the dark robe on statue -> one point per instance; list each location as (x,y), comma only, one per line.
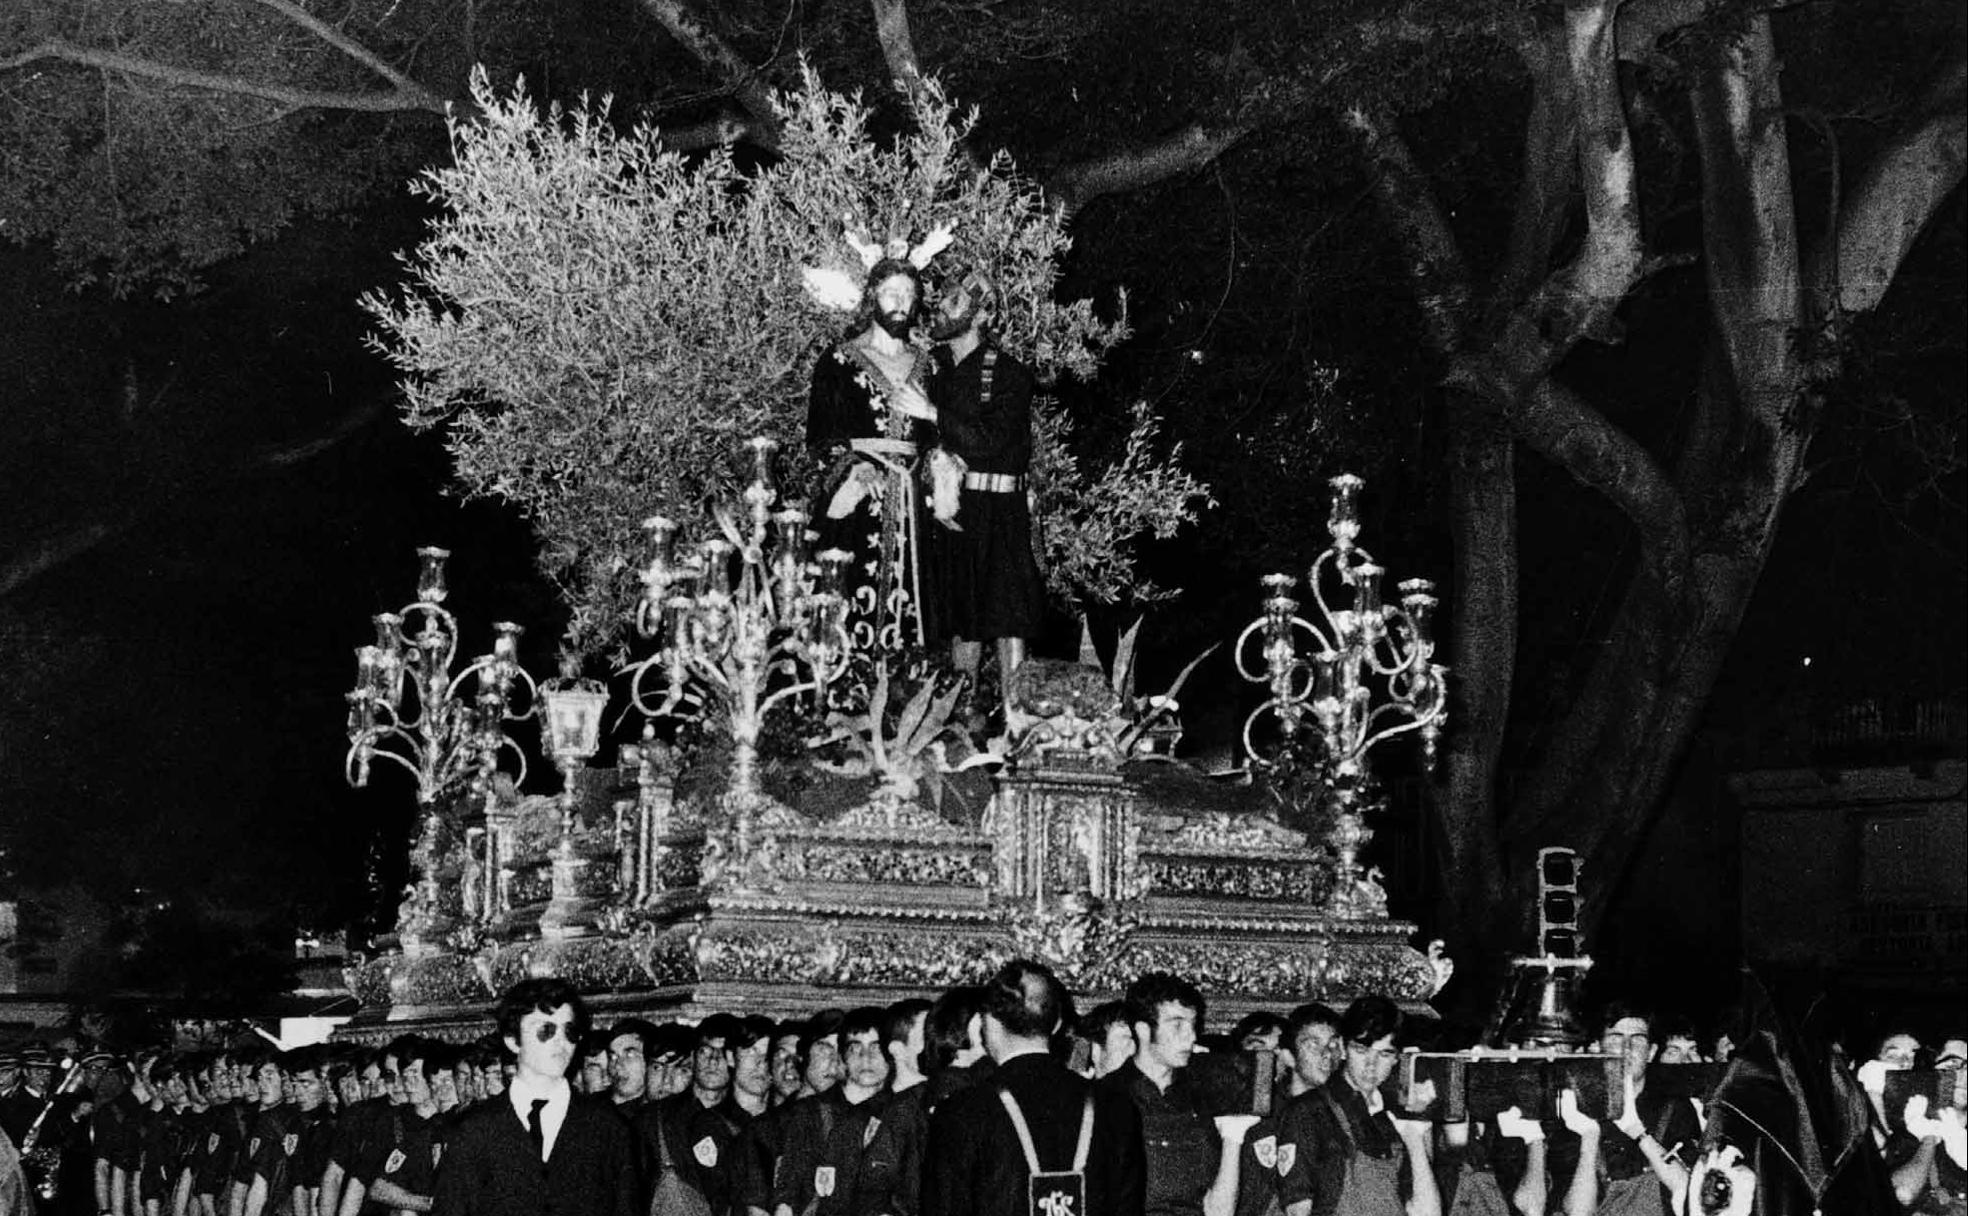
(851,425)
(986,579)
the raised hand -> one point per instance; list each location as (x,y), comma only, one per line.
(1512,1123)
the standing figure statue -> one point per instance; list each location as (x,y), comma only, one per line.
(868,421)
(986,578)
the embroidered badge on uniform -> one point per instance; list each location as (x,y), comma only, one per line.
(212,1143)
(706,1152)
(395,1162)
(437,1154)
(868,1136)
(1287,1154)
(288,1143)
(823,1180)
(1266,1149)
(253,1147)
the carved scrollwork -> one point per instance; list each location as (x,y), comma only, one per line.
(1228,833)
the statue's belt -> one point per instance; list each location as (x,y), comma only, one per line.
(995,483)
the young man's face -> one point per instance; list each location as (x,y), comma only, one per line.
(1115,1048)
(823,1065)
(1680,1049)
(710,1066)
(348,1087)
(865,1059)
(1314,1053)
(10,1076)
(594,1073)
(270,1083)
(393,1088)
(373,1083)
(492,1080)
(628,1067)
(444,1088)
(308,1090)
(1265,1039)
(1632,1038)
(1368,1065)
(786,1065)
(1899,1050)
(752,1072)
(668,1074)
(416,1084)
(1172,1038)
(544,1045)
(907,1052)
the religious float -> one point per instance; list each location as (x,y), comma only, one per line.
(712,880)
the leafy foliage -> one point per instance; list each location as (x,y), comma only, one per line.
(602,324)
(139,183)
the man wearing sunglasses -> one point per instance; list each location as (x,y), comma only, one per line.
(541,1149)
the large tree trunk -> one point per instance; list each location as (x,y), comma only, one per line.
(1477,911)
(1610,764)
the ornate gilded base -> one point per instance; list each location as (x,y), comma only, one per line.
(1075,863)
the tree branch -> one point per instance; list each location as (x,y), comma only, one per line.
(399,101)
(1643,23)
(1559,426)
(1547,177)
(1898,194)
(744,82)
(1609,264)
(1581,298)
(1749,228)
(22,568)
(1184,151)
(347,46)
(53,551)
(898,47)
(1435,262)
(729,127)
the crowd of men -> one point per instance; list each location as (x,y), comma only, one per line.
(993,1099)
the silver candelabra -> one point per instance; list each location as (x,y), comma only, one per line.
(1358,645)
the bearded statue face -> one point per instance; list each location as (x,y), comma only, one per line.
(897,304)
(956,313)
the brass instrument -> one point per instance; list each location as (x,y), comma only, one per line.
(41,1164)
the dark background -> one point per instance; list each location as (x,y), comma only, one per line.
(172,737)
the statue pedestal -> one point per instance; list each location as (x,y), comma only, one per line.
(1103,871)
(571,912)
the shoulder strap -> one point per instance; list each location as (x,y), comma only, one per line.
(1085,1145)
(1661,1123)
(663,1160)
(1024,1132)
(1339,1116)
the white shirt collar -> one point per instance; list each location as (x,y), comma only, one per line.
(523,1092)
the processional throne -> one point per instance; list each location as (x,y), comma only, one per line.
(659,891)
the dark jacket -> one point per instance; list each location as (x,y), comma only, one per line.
(975,1167)
(490,1167)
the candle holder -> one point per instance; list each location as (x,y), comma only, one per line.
(408,707)
(1325,701)
(744,625)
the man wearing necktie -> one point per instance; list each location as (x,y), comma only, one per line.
(542,1149)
